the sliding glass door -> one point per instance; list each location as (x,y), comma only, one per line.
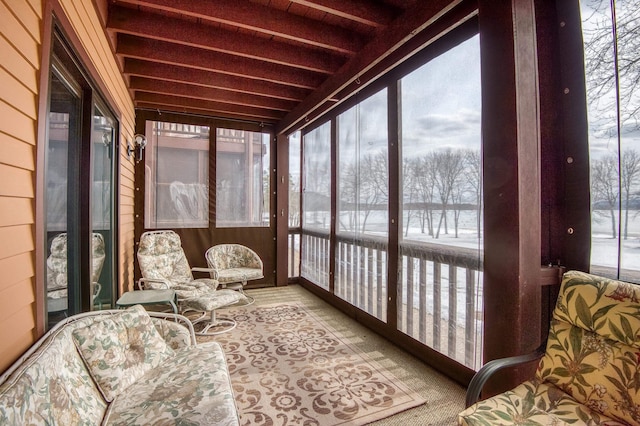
(80,196)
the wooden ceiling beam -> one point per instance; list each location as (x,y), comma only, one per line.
(263,19)
(179,74)
(179,104)
(413,21)
(169,109)
(158,27)
(171,53)
(362,11)
(206,93)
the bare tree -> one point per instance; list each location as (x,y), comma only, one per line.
(630,163)
(409,190)
(457,199)
(473,177)
(317,184)
(449,166)
(347,195)
(466,188)
(364,188)
(294,202)
(424,175)
(604,187)
(605,72)
(374,186)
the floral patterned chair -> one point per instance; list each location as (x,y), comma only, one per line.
(590,371)
(233,265)
(164,265)
(57,271)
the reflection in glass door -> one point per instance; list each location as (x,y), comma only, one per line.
(64,130)
(102,138)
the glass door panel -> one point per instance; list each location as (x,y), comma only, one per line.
(316,205)
(102,236)
(64,112)
(363,197)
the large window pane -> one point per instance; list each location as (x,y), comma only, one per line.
(316,205)
(295,191)
(177,171)
(242,178)
(440,291)
(612,48)
(363,195)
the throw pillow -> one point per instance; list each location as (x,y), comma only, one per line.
(120,349)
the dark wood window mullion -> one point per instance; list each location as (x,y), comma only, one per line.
(393,120)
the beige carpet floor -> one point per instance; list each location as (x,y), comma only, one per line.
(443,397)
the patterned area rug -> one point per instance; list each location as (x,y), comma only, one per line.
(288,367)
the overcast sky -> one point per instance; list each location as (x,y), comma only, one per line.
(440,106)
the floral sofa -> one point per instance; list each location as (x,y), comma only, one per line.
(119,367)
(590,371)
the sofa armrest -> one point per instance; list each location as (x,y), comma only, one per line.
(175,329)
(489,369)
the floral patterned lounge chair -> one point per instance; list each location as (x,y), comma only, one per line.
(590,372)
(233,265)
(57,281)
(164,265)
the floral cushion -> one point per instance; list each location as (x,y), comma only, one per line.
(52,387)
(238,274)
(215,300)
(119,349)
(227,256)
(174,334)
(192,388)
(160,256)
(605,306)
(593,347)
(532,403)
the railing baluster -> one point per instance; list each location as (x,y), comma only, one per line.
(380,296)
(400,291)
(339,287)
(453,310)
(410,307)
(326,260)
(437,304)
(369,308)
(422,326)
(470,312)
(362,258)
(350,280)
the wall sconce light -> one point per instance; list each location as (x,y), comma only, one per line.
(139,142)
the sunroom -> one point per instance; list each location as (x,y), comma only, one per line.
(429,168)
